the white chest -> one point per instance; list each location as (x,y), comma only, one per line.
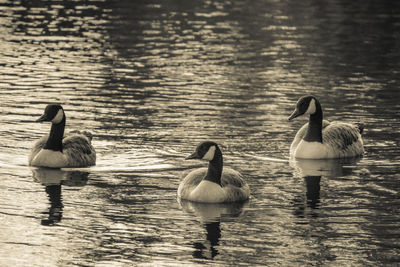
(312,150)
(50,158)
(208,192)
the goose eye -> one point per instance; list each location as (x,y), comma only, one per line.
(203,150)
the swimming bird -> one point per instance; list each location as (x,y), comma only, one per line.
(320,139)
(58,151)
(213,184)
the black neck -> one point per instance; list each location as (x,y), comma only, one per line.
(314,131)
(54,142)
(214,171)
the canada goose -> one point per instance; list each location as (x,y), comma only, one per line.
(320,139)
(212,185)
(58,151)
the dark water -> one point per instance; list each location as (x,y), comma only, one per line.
(151,79)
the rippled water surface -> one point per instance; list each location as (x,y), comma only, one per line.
(150,79)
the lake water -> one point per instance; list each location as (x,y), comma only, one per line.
(151,79)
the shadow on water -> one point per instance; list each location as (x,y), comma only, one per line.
(53,179)
(312,171)
(211,214)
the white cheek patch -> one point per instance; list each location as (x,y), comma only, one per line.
(210,153)
(311,107)
(58,118)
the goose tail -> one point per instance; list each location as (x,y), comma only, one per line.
(360,127)
(88,135)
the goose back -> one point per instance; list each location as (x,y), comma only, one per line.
(77,149)
(339,140)
(233,186)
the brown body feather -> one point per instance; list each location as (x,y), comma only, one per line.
(343,138)
(231,181)
(77,148)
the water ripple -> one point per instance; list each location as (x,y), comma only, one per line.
(152,79)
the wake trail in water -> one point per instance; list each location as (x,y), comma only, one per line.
(108,168)
(265,158)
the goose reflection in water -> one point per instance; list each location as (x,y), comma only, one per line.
(213,235)
(312,171)
(53,179)
(211,214)
(56,206)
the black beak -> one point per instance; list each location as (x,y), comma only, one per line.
(193,156)
(42,118)
(295,114)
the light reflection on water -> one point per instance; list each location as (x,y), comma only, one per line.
(151,80)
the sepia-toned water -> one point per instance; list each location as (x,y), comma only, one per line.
(151,79)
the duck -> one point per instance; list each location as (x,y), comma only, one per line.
(321,139)
(58,151)
(214,184)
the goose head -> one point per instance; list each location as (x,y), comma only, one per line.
(306,105)
(53,113)
(204,151)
